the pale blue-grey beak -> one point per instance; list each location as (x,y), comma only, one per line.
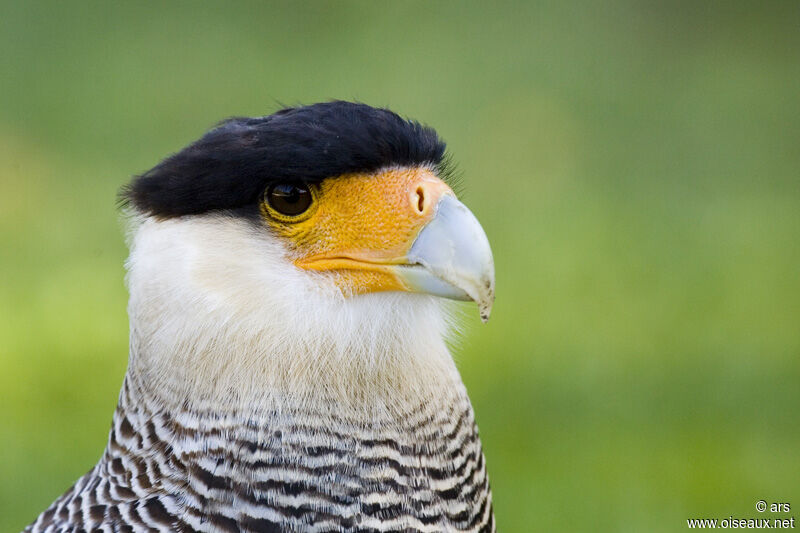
(451,257)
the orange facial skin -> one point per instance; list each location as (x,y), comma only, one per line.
(358,224)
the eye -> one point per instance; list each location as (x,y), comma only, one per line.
(288,198)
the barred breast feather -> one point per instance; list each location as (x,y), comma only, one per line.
(294,470)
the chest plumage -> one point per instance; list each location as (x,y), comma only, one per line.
(294,470)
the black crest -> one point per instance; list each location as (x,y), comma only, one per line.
(231,165)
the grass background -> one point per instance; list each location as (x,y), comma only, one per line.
(636,166)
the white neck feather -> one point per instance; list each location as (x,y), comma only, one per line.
(220,317)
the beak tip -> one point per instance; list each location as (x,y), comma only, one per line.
(485,298)
(485,307)
(455,257)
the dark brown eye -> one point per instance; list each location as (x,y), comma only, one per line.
(288,198)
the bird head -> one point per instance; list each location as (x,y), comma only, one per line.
(319,229)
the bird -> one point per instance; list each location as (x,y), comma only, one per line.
(290,280)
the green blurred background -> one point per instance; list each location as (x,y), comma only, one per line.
(636,166)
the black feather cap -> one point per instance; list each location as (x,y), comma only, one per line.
(231,165)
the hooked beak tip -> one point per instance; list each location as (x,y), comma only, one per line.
(456,257)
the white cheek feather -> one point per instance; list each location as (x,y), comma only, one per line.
(220,316)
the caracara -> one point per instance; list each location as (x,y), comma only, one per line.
(289,367)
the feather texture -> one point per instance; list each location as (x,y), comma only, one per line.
(259,398)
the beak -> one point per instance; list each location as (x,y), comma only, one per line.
(415,236)
(451,257)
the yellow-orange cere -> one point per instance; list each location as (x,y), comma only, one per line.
(359,224)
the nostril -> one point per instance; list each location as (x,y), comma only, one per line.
(420,199)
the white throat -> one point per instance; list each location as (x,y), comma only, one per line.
(220,317)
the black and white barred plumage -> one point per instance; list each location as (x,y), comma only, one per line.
(289,471)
